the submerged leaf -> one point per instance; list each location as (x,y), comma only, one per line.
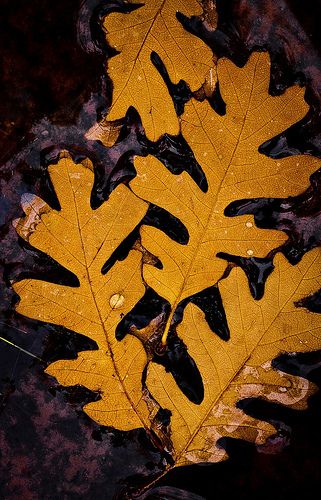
(152,27)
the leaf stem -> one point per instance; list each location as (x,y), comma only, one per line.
(167,327)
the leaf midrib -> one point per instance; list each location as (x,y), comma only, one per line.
(158,12)
(229,382)
(210,214)
(101,321)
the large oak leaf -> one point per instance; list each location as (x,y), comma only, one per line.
(82,240)
(227,148)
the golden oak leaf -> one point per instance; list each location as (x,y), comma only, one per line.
(82,240)
(226,147)
(241,368)
(136,81)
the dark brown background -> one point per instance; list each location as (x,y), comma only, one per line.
(48,448)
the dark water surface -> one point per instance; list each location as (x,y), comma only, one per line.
(54,87)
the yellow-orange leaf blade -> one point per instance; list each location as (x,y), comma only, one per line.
(82,240)
(227,149)
(241,368)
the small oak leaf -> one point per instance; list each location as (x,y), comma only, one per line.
(153,27)
(226,147)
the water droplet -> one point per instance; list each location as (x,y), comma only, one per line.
(116,301)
